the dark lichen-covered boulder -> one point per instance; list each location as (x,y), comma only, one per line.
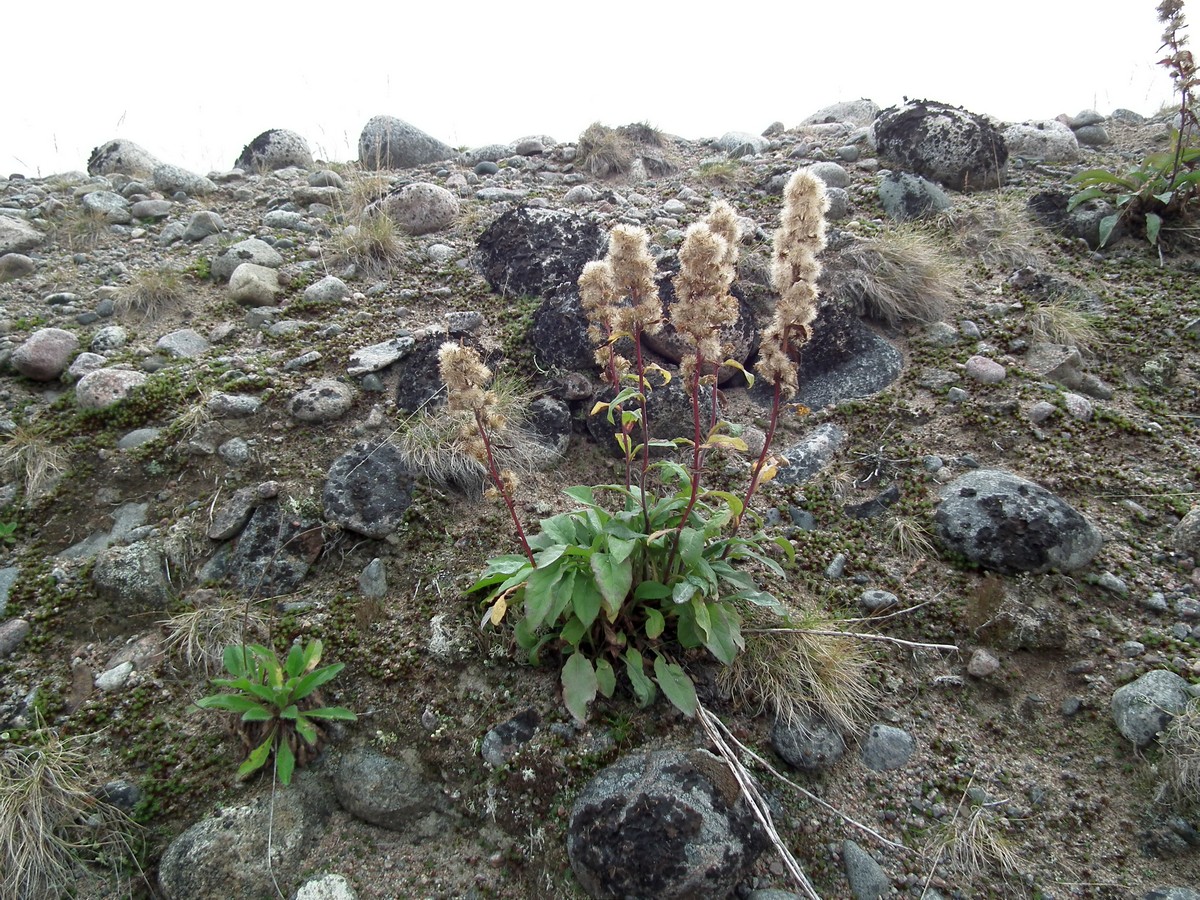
(277,148)
(368,489)
(947,144)
(531,252)
(667,825)
(1004,522)
(275,550)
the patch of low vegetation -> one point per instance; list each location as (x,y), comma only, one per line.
(152,294)
(372,243)
(605,152)
(28,453)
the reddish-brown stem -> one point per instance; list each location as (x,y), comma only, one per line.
(756,472)
(641,373)
(494,474)
(697,458)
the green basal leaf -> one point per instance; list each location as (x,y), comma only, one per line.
(564,591)
(614,579)
(285,763)
(724,639)
(1165,197)
(786,546)
(560,528)
(585,600)
(1100,176)
(258,756)
(543,558)
(733,501)
(539,593)
(527,638)
(312,655)
(1153,226)
(257,714)
(624,442)
(503,579)
(573,632)
(331,712)
(582,494)
(235,703)
(1107,224)
(702,618)
(691,546)
(306,730)
(655,623)
(606,679)
(314,680)
(579,685)
(235,658)
(643,688)
(676,685)
(682,592)
(651,590)
(619,548)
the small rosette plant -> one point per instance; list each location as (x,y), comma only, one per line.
(280,706)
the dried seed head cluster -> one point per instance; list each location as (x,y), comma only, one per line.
(703,304)
(467,380)
(798,240)
(619,296)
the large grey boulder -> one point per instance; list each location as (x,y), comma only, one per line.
(1143,708)
(959,149)
(368,488)
(276,148)
(855,112)
(904,196)
(124,157)
(390,143)
(172,179)
(17,235)
(1004,522)
(133,579)
(225,855)
(275,550)
(392,792)
(103,388)
(1046,141)
(664,824)
(421,208)
(45,355)
(251,250)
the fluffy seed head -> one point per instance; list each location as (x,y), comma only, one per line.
(633,275)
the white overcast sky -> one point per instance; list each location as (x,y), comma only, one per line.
(193,83)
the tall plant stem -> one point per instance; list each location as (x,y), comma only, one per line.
(697,459)
(494,474)
(756,472)
(641,373)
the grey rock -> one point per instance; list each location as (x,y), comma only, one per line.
(421,208)
(254,285)
(867,879)
(393,793)
(1004,522)
(274,149)
(876,601)
(323,401)
(107,387)
(982,664)
(380,356)
(44,356)
(138,437)
(984,370)
(132,579)
(836,568)
(668,409)
(111,206)
(16,265)
(124,157)
(855,112)
(811,454)
(667,824)
(183,344)
(372,581)
(947,144)
(233,406)
(231,516)
(367,490)
(504,741)
(251,250)
(807,742)
(839,204)
(741,143)
(489,153)
(275,550)
(202,224)
(115,678)
(173,179)
(326,178)
(18,236)
(12,633)
(234,451)
(328,290)
(904,196)
(886,747)
(8,577)
(1093,136)
(1045,141)
(225,855)
(151,209)
(1143,708)
(326,887)
(1186,535)
(831,173)
(389,143)
(109,338)
(1172,893)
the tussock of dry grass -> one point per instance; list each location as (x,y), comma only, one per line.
(794,674)
(25,453)
(79,229)
(910,537)
(373,244)
(902,276)
(151,294)
(200,635)
(1059,320)
(1180,765)
(973,844)
(999,234)
(51,821)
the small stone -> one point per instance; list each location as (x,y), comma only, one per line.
(12,633)
(45,354)
(836,568)
(1187,608)
(886,748)
(183,344)
(106,387)
(957,395)
(323,401)
(202,224)
(115,677)
(372,582)
(1112,584)
(982,664)
(1155,602)
(328,290)
(1041,411)
(867,879)
(234,451)
(1078,407)
(233,406)
(875,601)
(254,285)
(985,371)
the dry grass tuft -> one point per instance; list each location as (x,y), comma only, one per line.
(604,152)
(998,234)
(794,674)
(1180,765)
(152,294)
(433,444)
(1060,320)
(26,453)
(721,172)
(899,277)
(51,821)
(79,229)
(973,844)
(200,635)
(910,537)
(373,245)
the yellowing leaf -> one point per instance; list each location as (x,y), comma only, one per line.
(499,608)
(727,440)
(599,407)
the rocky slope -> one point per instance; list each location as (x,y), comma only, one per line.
(205,384)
